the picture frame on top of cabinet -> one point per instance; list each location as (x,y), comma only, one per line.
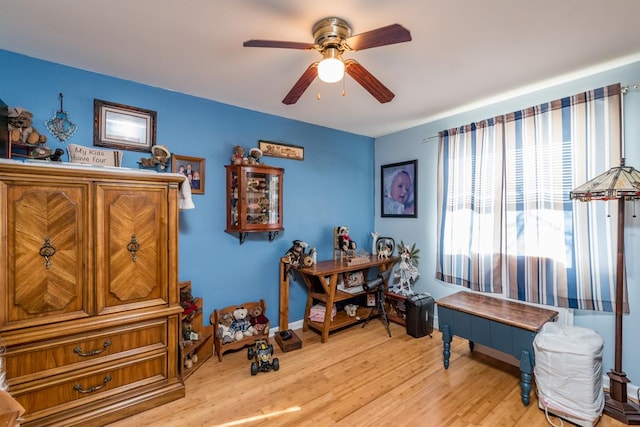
(123,127)
(193,168)
(285,151)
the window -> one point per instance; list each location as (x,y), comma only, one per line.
(505,221)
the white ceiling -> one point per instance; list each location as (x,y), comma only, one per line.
(463,51)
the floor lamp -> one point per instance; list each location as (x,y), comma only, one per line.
(619,183)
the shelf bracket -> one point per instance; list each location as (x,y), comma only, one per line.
(272,235)
(242,236)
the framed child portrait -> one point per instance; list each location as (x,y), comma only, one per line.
(399,189)
(193,168)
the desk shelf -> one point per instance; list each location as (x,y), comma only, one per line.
(340,296)
(341,319)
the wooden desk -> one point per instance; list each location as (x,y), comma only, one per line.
(504,325)
(321,280)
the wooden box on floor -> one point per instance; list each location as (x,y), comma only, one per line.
(293,343)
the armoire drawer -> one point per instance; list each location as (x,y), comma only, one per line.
(45,358)
(60,393)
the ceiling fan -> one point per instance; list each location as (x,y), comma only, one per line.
(332,38)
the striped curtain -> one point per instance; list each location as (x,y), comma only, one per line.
(552,251)
(469,206)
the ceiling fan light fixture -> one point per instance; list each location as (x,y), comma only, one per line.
(331,68)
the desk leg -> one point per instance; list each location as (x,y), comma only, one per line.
(446,343)
(284,296)
(526,369)
(307,308)
(331,296)
(307,312)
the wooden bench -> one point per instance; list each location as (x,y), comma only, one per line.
(219,345)
(507,326)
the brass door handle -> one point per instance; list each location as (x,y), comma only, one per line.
(133,247)
(47,251)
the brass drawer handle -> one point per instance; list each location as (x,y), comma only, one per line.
(79,352)
(47,251)
(91,389)
(133,247)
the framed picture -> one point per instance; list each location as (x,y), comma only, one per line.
(124,127)
(353,279)
(399,189)
(193,168)
(276,149)
(385,244)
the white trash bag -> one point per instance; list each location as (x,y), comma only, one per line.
(568,373)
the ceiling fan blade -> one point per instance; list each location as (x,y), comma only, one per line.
(301,85)
(278,44)
(390,34)
(368,81)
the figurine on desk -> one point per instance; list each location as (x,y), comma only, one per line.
(407,269)
(296,254)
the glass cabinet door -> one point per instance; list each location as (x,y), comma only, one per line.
(254,199)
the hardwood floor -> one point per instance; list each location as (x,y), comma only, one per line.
(360,377)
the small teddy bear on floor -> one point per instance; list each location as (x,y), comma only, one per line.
(241,325)
(224,331)
(259,321)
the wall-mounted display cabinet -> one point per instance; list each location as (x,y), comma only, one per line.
(254,200)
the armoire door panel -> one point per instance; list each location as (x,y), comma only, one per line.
(133,252)
(48,258)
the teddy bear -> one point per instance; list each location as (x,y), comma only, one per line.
(224,328)
(187,302)
(21,128)
(159,160)
(237,158)
(241,323)
(188,334)
(254,156)
(345,241)
(190,360)
(351,310)
(258,320)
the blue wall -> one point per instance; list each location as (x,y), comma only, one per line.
(337,183)
(332,186)
(417,143)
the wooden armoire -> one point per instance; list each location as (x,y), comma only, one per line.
(89,308)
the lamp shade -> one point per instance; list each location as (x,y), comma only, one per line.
(618,182)
(331,68)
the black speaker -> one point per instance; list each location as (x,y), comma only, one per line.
(419,321)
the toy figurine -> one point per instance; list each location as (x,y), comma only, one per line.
(296,252)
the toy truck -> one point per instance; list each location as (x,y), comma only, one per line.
(261,352)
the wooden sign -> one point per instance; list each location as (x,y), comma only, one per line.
(94,156)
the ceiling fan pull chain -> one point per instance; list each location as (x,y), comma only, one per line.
(318,94)
(344,91)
